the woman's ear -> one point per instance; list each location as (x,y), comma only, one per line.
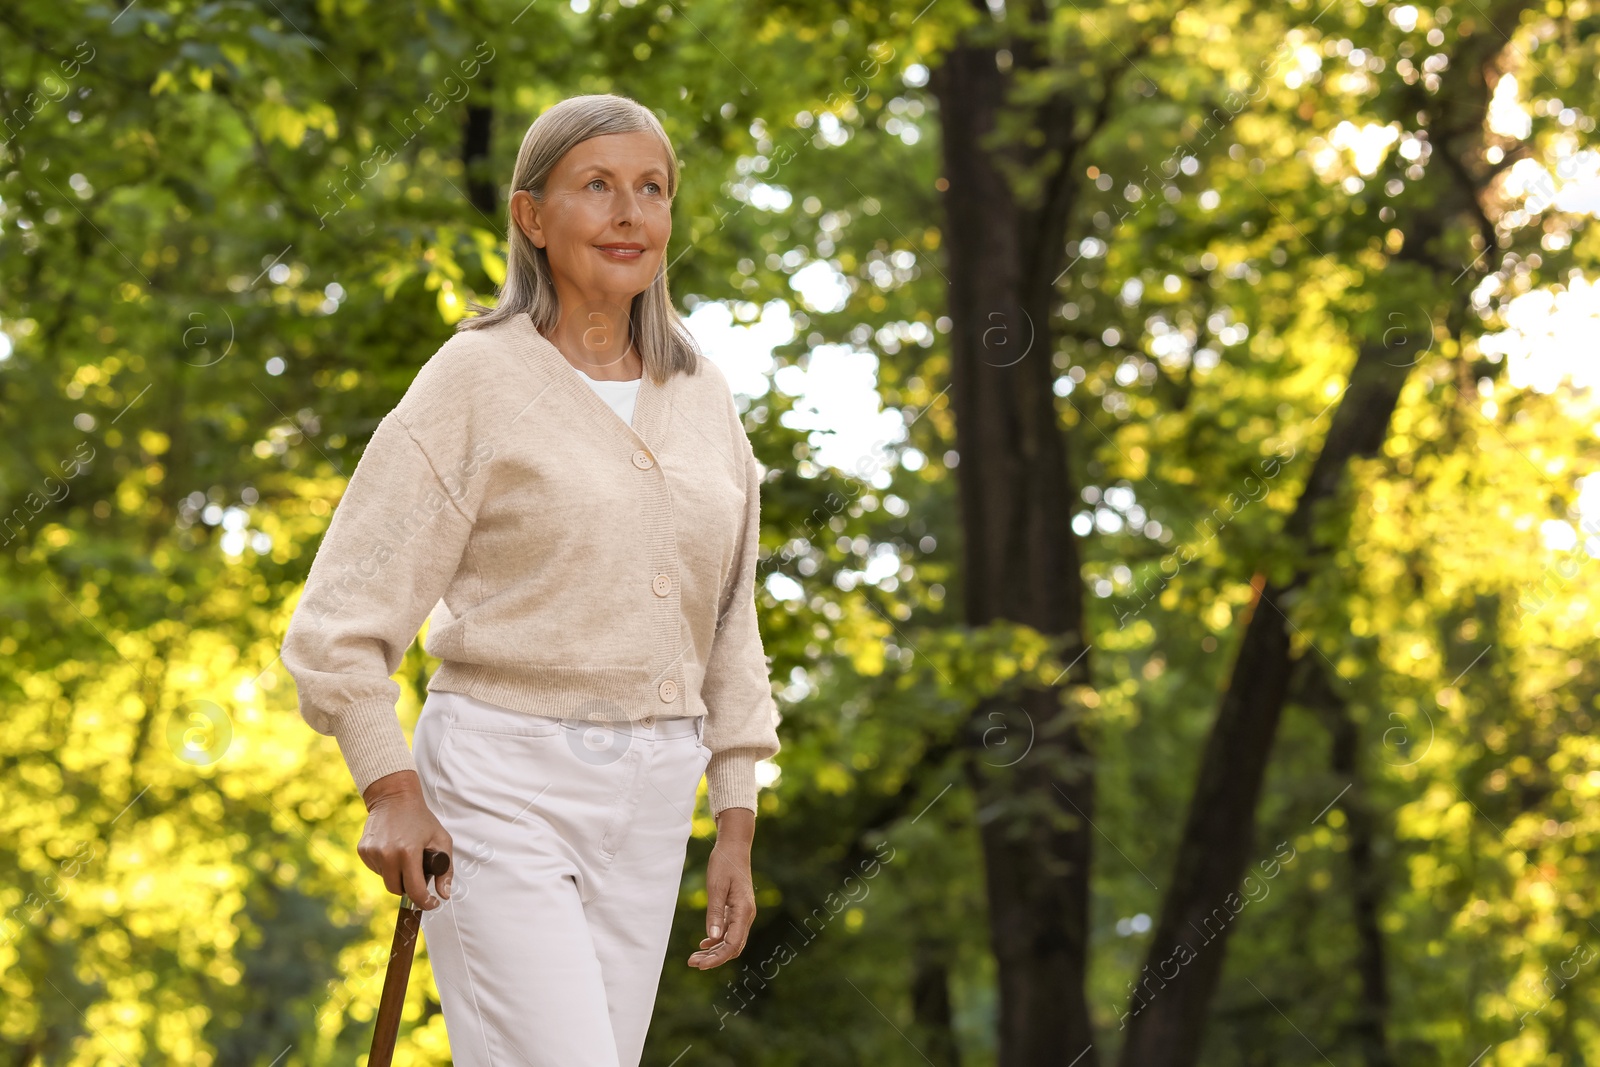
(523,212)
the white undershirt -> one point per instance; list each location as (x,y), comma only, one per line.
(619,395)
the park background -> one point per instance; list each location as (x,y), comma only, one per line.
(1179,530)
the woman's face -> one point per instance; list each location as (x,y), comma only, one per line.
(605,219)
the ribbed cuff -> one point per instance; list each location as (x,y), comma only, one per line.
(372,742)
(731,780)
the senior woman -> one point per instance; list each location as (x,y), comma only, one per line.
(567,487)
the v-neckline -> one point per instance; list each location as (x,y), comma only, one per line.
(541,351)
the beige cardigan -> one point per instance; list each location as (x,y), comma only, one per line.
(588,569)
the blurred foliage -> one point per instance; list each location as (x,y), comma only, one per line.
(230,233)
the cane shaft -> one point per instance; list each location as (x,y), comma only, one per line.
(387,1029)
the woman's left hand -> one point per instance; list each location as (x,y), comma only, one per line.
(730,890)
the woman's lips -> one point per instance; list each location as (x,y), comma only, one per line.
(621,253)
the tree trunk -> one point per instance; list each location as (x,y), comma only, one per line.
(1167,1014)
(930,1003)
(1366,880)
(475,139)
(1020,563)
(1166,1017)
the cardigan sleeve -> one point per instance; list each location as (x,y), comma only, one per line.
(742,717)
(395,541)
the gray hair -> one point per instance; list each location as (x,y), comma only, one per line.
(664,343)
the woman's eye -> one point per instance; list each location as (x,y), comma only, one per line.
(596,181)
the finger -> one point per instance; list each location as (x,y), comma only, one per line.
(716,908)
(709,946)
(390,867)
(416,883)
(441,843)
(713,957)
(740,915)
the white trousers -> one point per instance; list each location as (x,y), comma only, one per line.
(569,840)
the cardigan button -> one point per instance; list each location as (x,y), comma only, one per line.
(662,585)
(669,690)
(642,460)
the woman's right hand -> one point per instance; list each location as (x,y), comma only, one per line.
(399,827)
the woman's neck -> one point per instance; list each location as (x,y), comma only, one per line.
(614,362)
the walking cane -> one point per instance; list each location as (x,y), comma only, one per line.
(387,1031)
